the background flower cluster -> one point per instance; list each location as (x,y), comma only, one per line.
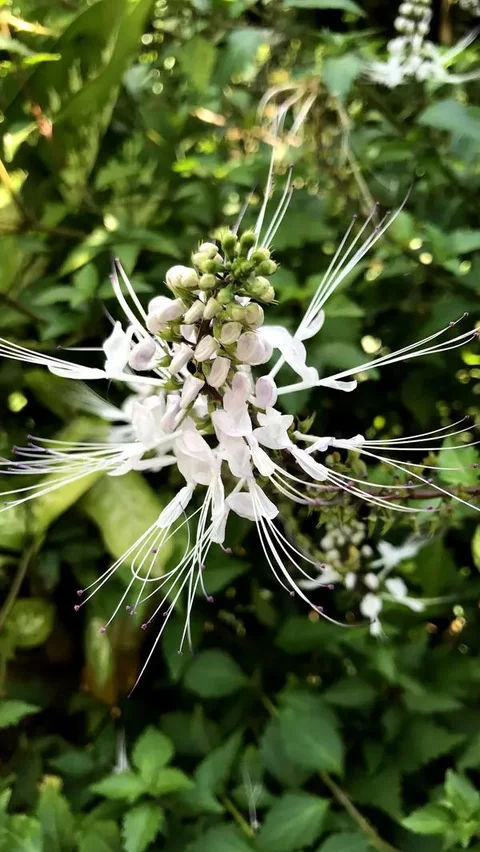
(133,129)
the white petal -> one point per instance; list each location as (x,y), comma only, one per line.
(176,506)
(312,328)
(337,384)
(117,349)
(396,587)
(371,606)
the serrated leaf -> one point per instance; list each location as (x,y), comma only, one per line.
(24,834)
(350,692)
(450,114)
(222,838)
(383,791)
(345,842)
(470,758)
(276,760)
(152,751)
(214,674)
(197,60)
(424,741)
(12,711)
(339,72)
(432,819)
(141,825)
(56,819)
(294,821)
(169,780)
(454,455)
(102,836)
(214,770)
(461,795)
(310,734)
(122,786)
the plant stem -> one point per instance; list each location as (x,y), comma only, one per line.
(239,819)
(18,579)
(362,822)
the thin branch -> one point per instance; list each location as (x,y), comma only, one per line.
(362,822)
(22,569)
(239,819)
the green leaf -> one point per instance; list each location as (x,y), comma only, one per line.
(463,458)
(141,825)
(48,507)
(431,819)
(214,674)
(123,786)
(461,795)
(294,821)
(345,842)
(222,838)
(470,758)
(424,741)
(339,72)
(454,116)
(240,53)
(169,780)
(56,818)
(30,622)
(152,751)
(123,507)
(344,5)
(12,711)
(476,548)
(310,734)
(102,836)
(214,770)
(350,692)
(383,791)
(99,653)
(24,834)
(276,759)
(197,60)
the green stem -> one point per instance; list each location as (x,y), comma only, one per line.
(239,819)
(18,579)
(361,821)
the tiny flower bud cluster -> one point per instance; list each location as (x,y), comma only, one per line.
(213,319)
(472,6)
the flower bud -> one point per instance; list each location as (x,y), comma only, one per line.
(182,276)
(191,388)
(219,372)
(259,255)
(207,282)
(252,350)
(247,241)
(183,354)
(161,313)
(267,267)
(211,267)
(225,295)
(209,249)
(206,347)
(235,312)
(229,243)
(142,355)
(265,392)
(254,315)
(194,313)
(212,308)
(260,288)
(230,332)
(168,420)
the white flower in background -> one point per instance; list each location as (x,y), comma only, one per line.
(411,55)
(205,401)
(472,6)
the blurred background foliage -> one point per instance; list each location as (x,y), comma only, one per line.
(132,127)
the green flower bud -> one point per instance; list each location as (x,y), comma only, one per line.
(260,255)
(254,315)
(261,289)
(225,295)
(267,267)
(235,312)
(229,243)
(247,241)
(207,282)
(212,266)
(200,259)
(212,308)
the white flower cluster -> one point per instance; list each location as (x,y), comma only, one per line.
(205,402)
(374,583)
(411,55)
(472,6)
